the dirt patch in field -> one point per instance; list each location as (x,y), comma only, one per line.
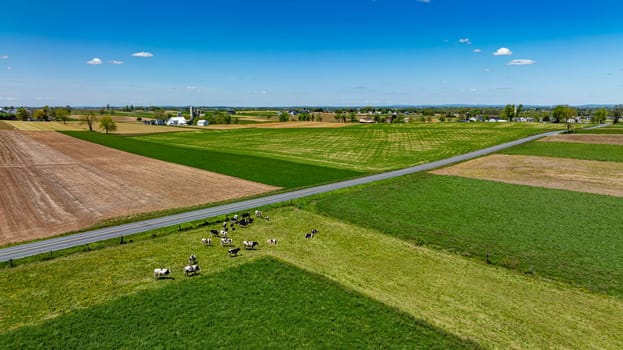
(5,126)
(53,183)
(607,139)
(560,173)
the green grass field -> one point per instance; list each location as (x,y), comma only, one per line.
(611,129)
(264,304)
(569,236)
(586,151)
(438,293)
(364,148)
(257,168)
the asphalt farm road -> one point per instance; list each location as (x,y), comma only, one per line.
(83,238)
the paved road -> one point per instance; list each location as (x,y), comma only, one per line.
(53,244)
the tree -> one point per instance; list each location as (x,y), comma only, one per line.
(159,114)
(563,113)
(509,112)
(39,114)
(61,114)
(600,116)
(337,116)
(107,124)
(284,116)
(518,110)
(616,113)
(89,118)
(22,114)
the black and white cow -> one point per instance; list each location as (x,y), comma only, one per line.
(191,270)
(161,272)
(206,241)
(233,251)
(192,259)
(250,244)
(258,213)
(226,241)
(309,235)
(272,241)
(214,232)
(314,231)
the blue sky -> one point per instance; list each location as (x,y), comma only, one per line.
(281,53)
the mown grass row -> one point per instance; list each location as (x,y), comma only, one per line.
(569,236)
(586,151)
(264,304)
(366,148)
(265,170)
(442,293)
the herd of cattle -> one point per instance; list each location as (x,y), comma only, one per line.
(223,236)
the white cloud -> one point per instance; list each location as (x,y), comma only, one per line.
(521,62)
(476,50)
(465,41)
(503,51)
(143,54)
(95,60)
(116,62)
(4,57)
(190,87)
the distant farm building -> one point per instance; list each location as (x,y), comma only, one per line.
(176,121)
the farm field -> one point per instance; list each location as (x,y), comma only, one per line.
(363,148)
(569,236)
(438,296)
(258,168)
(123,128)
(586,151)
(262,304)
(610,129)
(54,184)
(562,173)
(606,139)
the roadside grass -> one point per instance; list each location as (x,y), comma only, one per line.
(256,168)
(442,293)
(364,148)
(569,236)
(586,151)
(260,305)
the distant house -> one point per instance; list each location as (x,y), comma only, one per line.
(202,122)
(176,121)
(366,120)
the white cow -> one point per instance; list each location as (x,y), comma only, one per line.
(206,241)
(161,272)
(250,244)
(272,241)
(258,213)
(191,269)
(226,241)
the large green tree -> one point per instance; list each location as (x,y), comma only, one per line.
(22,114)
(600,116)
(616,113)
(563,114)
(107,124)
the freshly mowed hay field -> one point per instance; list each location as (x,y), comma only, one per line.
(257,168)
(605,139)
(441,298)
(53,183)
(569,236)
(123,128)
(43,126)
(562,173)
(363,148)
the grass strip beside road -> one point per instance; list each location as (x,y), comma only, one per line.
(264,170)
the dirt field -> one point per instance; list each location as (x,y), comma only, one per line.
(561,173)
(122,127)
(52,183)
(609,139)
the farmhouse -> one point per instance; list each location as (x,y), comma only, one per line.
(203,122)
(176,121)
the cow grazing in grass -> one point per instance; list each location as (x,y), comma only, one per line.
(235,218)
(223,233)
(214,232)
(161,272)
(226,241)
(192,259)
(266,218)
(250,244)
(206,241)
(191,270)
(272,241)
(314,231)
(258,213)
(233,251)
(309,235)
(245,215)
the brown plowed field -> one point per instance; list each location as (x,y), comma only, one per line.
(561,173)
(53,183)
(608,139)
